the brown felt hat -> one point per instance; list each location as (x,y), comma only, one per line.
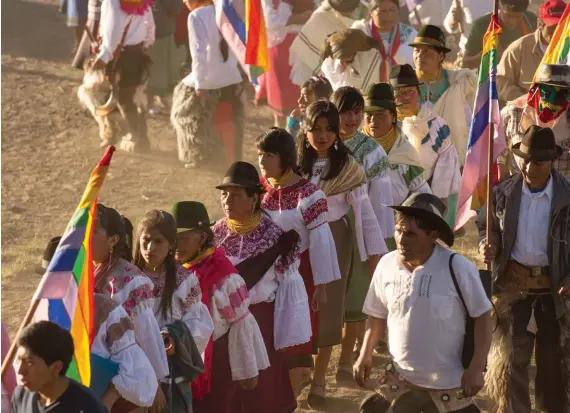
(538,144)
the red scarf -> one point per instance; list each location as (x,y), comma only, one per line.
(393,49)
(210,272)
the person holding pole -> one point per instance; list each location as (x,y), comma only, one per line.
(423,294)
(516,22)
(527,246)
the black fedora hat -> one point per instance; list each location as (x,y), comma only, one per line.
(379,96)
(432,36)
(48,255)
(344,6)
(538,144)
(430,208)
(554,75)
(241,175)
(404,76)
(190,215)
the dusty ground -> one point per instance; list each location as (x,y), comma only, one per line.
(50,145)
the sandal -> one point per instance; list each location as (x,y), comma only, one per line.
(317,396)
(344,373)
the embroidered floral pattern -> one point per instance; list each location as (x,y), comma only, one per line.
(193,296)
(257,241)
(312,213)
(286,198)
(136,296)
(361,146)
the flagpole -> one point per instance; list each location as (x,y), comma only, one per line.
(490,162)
(12,352)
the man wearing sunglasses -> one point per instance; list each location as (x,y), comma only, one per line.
(552,89)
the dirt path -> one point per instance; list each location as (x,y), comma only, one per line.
(50,145)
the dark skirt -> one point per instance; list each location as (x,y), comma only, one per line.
(273,393)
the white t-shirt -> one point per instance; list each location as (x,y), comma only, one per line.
(426,319)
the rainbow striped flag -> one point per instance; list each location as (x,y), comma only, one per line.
(472,193)
(66,289)
(242,25)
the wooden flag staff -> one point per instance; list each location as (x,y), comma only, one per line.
(490,161)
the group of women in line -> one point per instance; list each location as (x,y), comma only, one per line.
(265,293)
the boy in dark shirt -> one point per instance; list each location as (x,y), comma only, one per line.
(45,351)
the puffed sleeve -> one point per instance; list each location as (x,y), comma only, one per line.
(292,315)
(194,313)
(138,304)
(230,310)
(369,237)
(446,177)
(322,251)
(135,381)
(380,194)
(148,336)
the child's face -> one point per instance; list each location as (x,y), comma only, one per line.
(307,97)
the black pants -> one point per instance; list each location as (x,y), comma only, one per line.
(549,386)
(133,68)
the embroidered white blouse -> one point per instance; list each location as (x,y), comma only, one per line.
(375,162)
(368,233)
(229,308)
(186,305)
(282,283)
(116,341)
(303,207)
(128,286)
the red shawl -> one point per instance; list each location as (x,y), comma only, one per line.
(211,271)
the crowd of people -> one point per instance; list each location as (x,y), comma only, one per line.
(344,237)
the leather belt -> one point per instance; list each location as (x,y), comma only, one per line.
(520,278)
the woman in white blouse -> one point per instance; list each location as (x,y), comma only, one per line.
(118,279)
(326,162)
(236,354)
(295,203)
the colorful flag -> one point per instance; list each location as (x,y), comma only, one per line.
(472,194)
(66,289)
(242,25)
(557,53)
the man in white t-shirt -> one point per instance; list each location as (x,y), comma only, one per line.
(413,295)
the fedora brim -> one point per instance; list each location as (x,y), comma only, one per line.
(234,185)
(396,85)
(445,232)
(565,85)
(440,48)
(378,105)
(180,230)
(533,157)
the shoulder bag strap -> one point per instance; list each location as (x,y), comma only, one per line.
(456,284)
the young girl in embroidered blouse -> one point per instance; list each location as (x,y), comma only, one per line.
(327,163)
(118,279)
(177,294)
(239,355)
(295,203)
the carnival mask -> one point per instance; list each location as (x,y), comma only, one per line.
(554,100)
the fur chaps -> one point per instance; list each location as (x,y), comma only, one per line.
(501,353)
(191,117)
